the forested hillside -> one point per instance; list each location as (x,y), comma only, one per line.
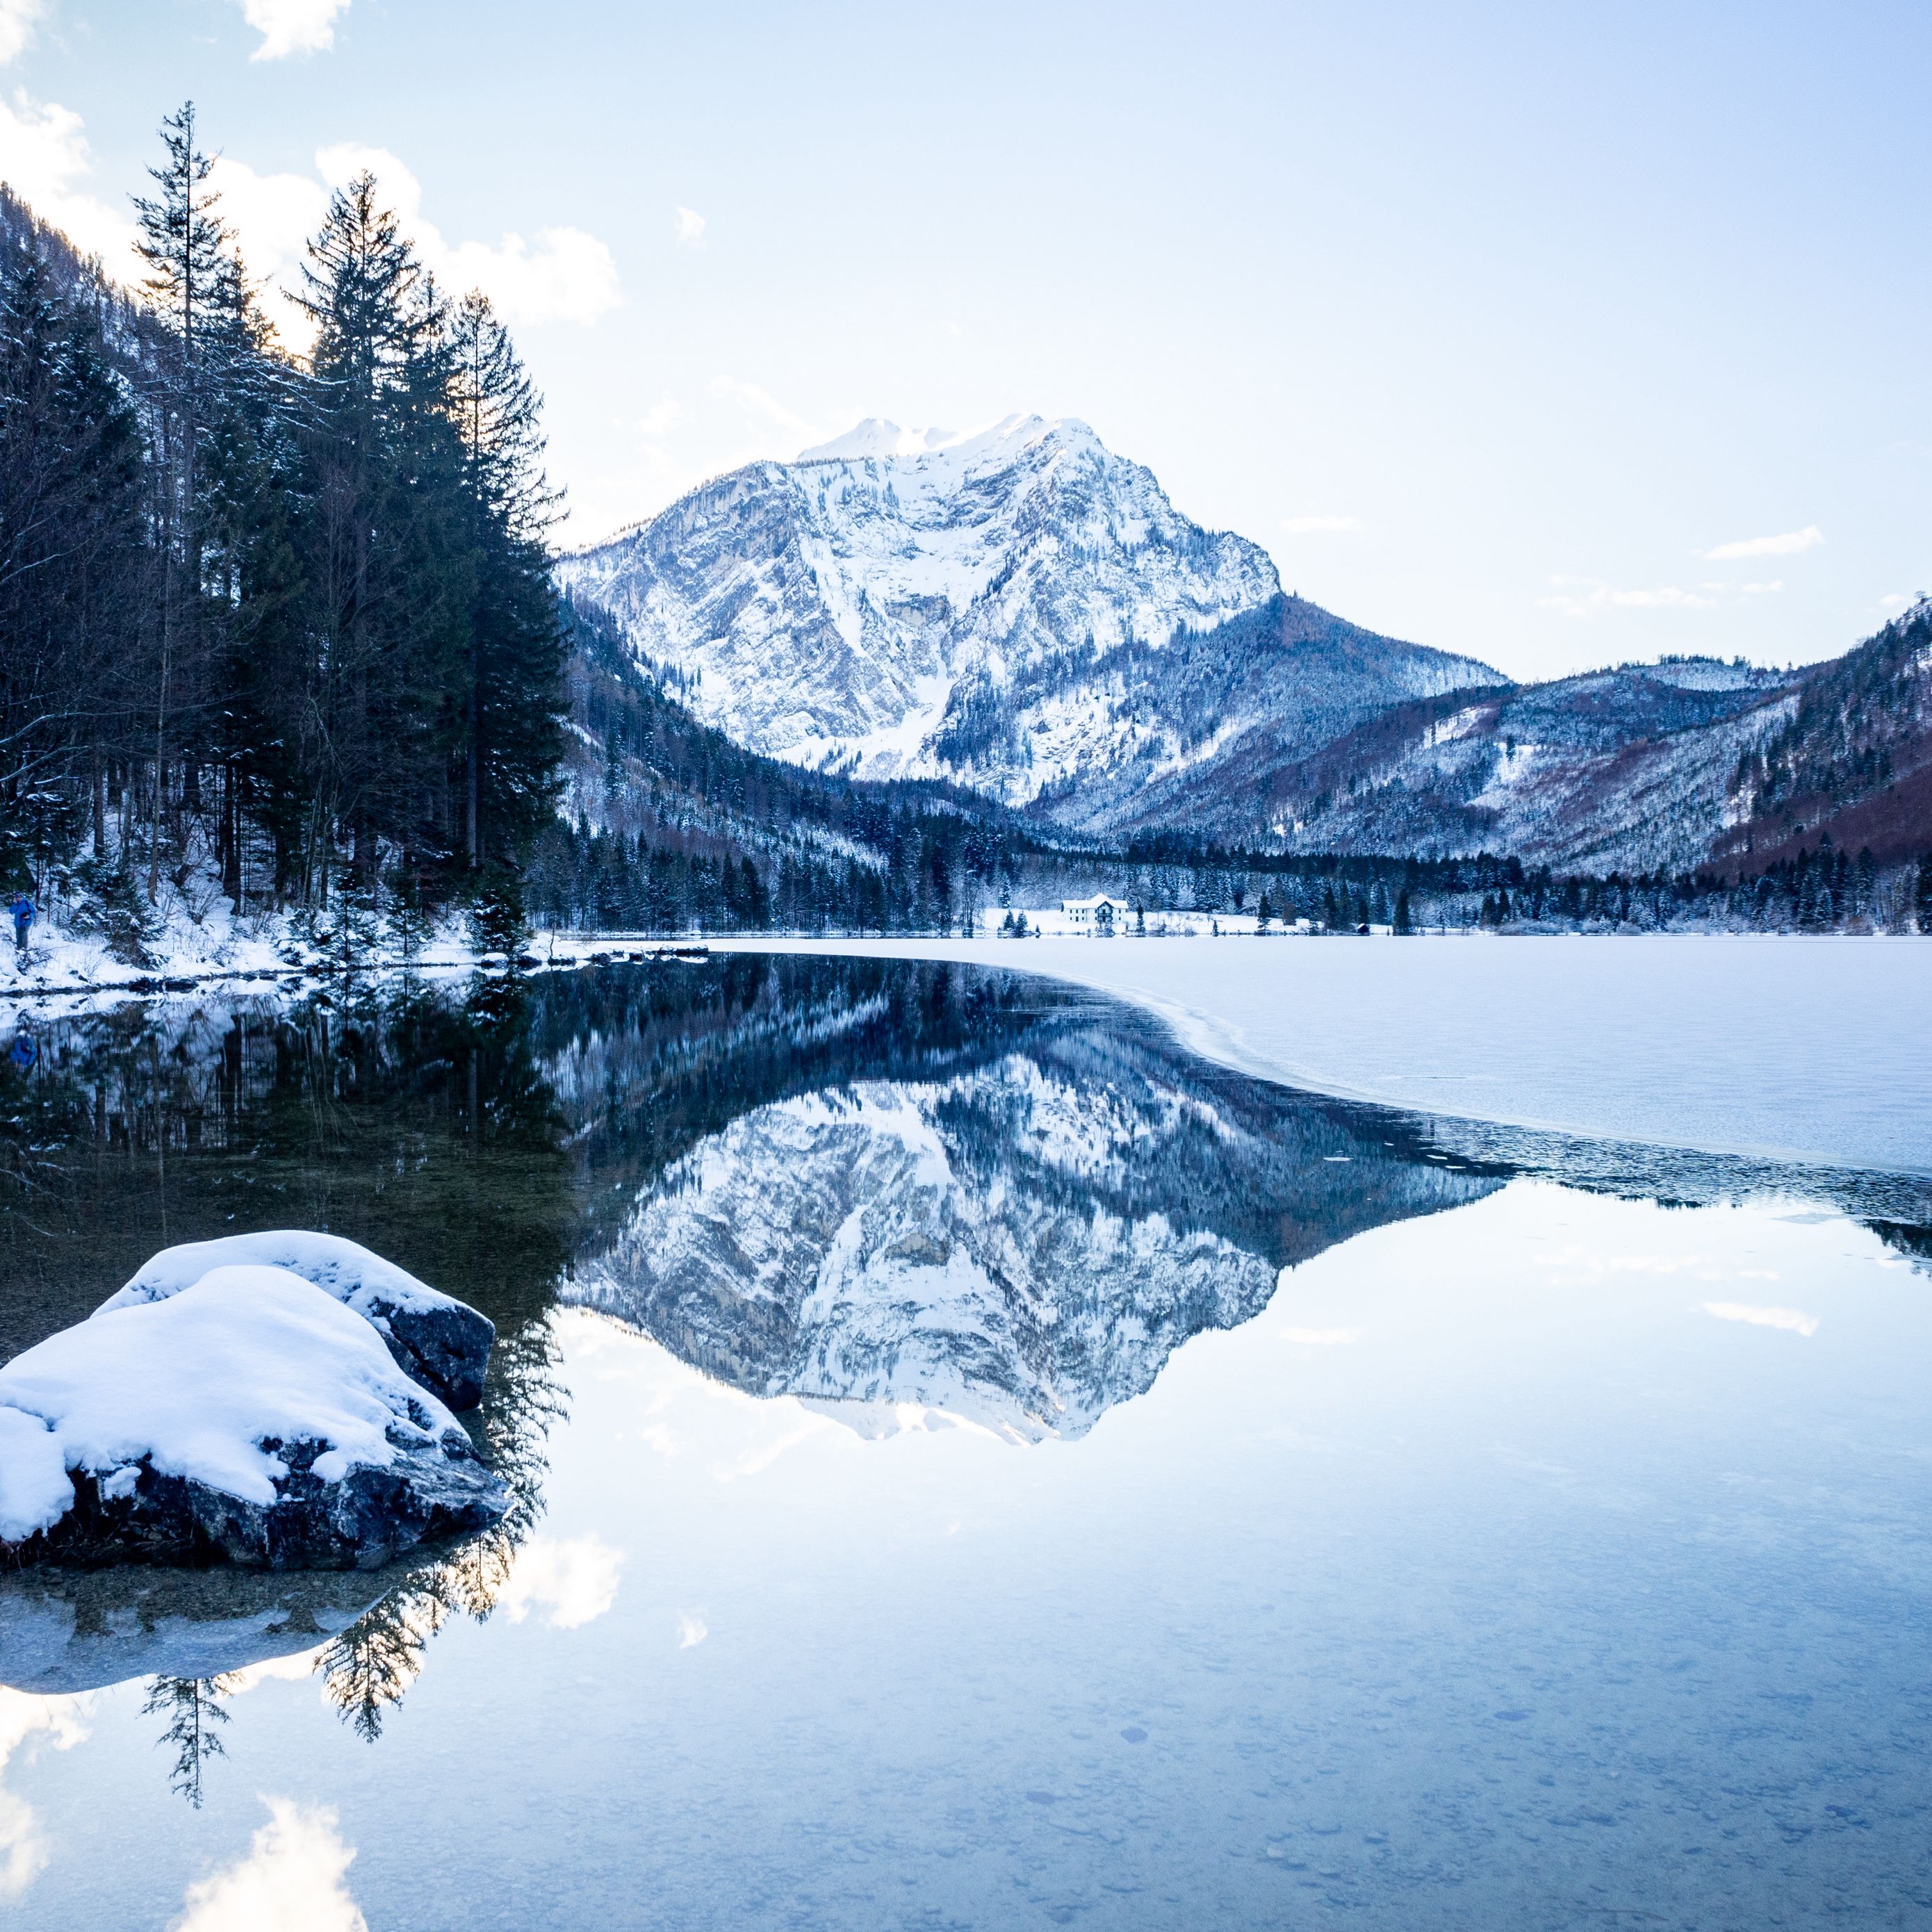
(285,625)
(667,825)
(1853,760)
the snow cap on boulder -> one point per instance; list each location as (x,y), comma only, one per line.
(250,1416)
(444,1343)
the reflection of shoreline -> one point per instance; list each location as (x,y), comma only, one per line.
(801,1247)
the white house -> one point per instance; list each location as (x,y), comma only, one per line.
(1085,915)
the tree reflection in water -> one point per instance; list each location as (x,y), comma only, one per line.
(192,1708)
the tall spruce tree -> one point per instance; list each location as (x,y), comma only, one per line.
(390,569)
(513,733)
(181,241)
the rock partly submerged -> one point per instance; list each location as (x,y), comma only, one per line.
(249,1416)
(442,1342)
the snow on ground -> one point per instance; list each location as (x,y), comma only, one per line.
(1801,1049)
(213,945)
(79,968)
(195,1383)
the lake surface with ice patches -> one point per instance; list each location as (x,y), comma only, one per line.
(978,1463)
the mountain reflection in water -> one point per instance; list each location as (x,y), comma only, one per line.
(884,1187)
(1023,1241)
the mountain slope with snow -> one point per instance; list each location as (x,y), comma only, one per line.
(1024,614)
(1622,769)
(1003,610)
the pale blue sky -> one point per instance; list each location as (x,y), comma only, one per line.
(1490,322)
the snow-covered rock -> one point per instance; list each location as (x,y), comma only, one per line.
(444,1343)
(251,1416)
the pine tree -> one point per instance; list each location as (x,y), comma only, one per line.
(512,736)
(390,567)
(181,241)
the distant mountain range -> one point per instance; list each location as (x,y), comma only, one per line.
(1023,614)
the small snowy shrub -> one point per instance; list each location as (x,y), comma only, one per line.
(108,901)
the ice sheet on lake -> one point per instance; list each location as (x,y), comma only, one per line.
(1810,1050)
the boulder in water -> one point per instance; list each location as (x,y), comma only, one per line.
(252,1418)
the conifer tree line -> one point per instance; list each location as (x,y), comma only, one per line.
(280,621)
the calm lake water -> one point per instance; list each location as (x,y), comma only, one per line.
(980,1466)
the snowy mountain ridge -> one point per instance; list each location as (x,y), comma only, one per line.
(1020,611)
(989,607)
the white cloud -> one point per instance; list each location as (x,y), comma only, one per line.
(692,1631)
(566,275)
(1589,597)
(1322,1338)
(292,26)
(1789,544)
(1668,597)
(291,1880)
(576,1578)
(563,275)
(18,19)
(294,1668)
(687,227)
(661,418)
(273,217)
(1793,1319)
(1320,527)
(43,157)
(23,1846)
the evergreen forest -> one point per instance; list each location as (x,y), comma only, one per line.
(283,622)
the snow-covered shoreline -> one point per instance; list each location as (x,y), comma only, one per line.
(1777,1046)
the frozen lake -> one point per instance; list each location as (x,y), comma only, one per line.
(1797,1049)
(983,1465)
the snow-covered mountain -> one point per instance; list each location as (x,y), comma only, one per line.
(1024,613)
(1020,610)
